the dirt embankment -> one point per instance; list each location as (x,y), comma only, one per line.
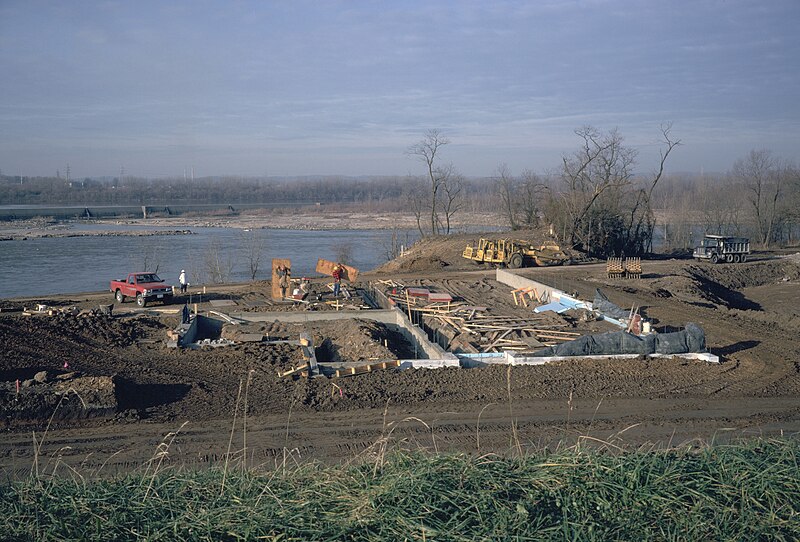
(444,253)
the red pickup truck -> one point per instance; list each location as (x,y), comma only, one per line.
(143,286)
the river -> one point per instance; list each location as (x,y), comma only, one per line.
(36,267)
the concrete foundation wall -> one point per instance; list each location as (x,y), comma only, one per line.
(547,293)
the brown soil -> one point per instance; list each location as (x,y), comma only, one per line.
(748,311)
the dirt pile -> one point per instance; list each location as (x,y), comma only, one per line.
(344,341)
(435,254)
(359,340)
(720,285)
(62,396)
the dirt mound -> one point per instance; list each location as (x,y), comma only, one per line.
(434,254)
(341,341)
(736,277)
(722,285)
(65,396)
(358,340)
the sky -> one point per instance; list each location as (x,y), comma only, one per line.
(297,88)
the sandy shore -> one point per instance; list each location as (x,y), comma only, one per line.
(44,227)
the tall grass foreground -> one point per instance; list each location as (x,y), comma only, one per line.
(746,491)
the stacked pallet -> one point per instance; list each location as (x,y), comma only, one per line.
(633,268)
(615,268)
(618,268)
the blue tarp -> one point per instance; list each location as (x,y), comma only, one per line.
(555,307)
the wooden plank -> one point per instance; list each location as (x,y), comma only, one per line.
(294,370)
(325,267)
(418,292)
(367,368)
(276,287)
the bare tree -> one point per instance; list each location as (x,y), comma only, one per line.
(218,262)
(343,252)
(414,194)
(506,187)
(719,205)
(601,164)
(762,177)
(426,150)
(149,254)
(393,247)
(639,231)
(452,184)
(253,248)
(600,208)
(532,191)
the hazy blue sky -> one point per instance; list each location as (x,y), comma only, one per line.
(325,87)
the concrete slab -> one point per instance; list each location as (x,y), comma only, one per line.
(250,338)
(222,303)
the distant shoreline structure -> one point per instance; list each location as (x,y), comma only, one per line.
(23,212)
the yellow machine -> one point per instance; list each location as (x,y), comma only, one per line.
(515,253)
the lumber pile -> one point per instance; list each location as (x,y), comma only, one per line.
(489,333)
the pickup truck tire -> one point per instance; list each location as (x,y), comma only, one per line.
(714,258)
(140,300)
(119,296)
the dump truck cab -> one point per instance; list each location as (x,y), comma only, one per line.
(720,248)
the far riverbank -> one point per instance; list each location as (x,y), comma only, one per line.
(44,227)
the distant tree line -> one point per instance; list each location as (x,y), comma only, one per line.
(593,202)
(392,192)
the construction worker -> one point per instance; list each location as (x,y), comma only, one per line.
(283,279)
(182,280)
(337,279)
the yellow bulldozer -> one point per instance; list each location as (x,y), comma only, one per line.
(515,253)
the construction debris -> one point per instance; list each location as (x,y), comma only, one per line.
(470,329)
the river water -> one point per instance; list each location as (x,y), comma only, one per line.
(85,264)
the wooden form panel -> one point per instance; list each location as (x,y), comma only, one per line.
(325,267)
(276,287)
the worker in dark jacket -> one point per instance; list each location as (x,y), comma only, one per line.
(284,273)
